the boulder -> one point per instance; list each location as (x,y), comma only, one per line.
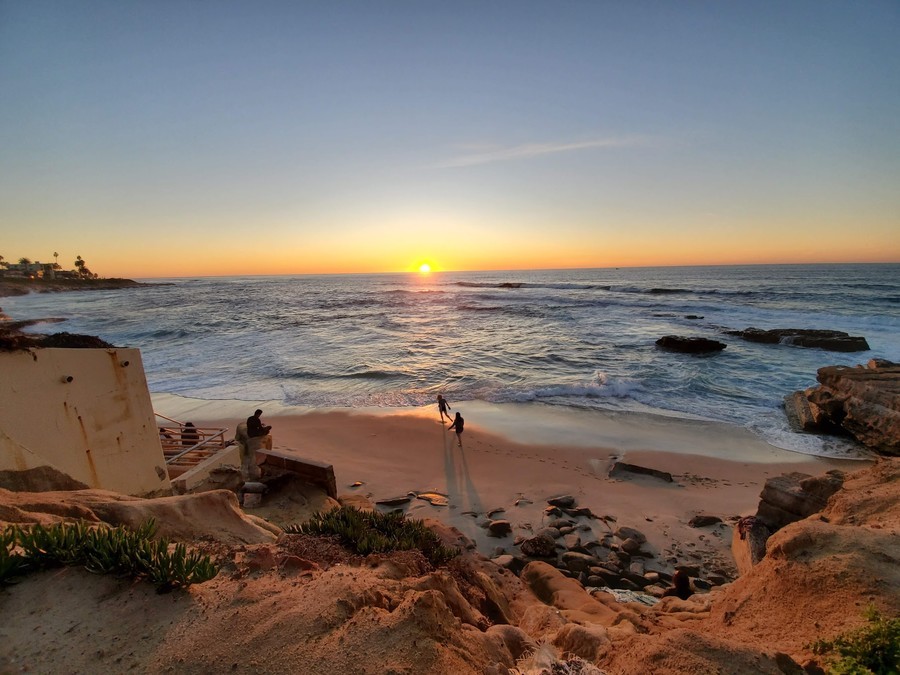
(861,401)
(830,340)
(791,497)
(623,469)
(631,546)
(704,520)
(563,501)
(540,546)
(690,345)
(499,528)
(577,562)
(624,533)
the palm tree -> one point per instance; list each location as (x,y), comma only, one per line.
(79,264)
(55,260)
(24,261)
(2,263)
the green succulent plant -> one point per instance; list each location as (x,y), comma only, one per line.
(366,532)
(872,648)
(102,550)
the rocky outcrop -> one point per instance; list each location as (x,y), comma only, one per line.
(748,544)
(794,496)
(308,601)
(861,401)
(690,345)
(830,340)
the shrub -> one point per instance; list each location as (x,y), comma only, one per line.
(102,550)
(873,648)
(367,532)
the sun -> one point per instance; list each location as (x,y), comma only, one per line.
(424,268)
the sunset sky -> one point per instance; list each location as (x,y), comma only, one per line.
(218,137)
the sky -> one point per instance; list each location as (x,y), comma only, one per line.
(218,137)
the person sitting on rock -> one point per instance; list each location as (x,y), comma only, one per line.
(681,586)
(255,427)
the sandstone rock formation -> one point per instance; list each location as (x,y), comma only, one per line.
(861,401)
(830,340)
(302,603)
(794,496)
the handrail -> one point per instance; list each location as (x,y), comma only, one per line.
(201,439)
(203,442)
(181,424)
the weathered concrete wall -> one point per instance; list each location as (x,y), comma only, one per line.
(85,412)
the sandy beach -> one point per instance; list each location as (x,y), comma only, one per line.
(510,465)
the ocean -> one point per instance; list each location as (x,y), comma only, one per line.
(579,339)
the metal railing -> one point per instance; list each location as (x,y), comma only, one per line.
(186,446)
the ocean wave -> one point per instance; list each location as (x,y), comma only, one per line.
(600,390)
(524,284)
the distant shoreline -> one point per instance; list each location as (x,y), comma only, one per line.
(18,286)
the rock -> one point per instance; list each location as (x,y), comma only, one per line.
(791,497)
(499,528)
(394,501)
(861,401)
(748,543)
(690,345)
(704,520)
(631,546)
(551,532)
(623,469)
(586,642)
(540,546)
(504,560)
(830,340)
(563,501)
(577,562)
(580,512)
(690,570)
(624,533)
(514,639)
(572,541)
(559,523)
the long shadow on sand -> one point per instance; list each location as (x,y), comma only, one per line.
(460,488)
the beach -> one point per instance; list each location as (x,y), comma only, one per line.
(509,466)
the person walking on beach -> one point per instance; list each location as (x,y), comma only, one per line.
(458,423)
(255,427)
(443,408)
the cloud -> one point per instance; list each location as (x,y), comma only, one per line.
(528,150)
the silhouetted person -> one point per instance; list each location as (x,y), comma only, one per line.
(189,435)
(681,586)
(255,427)
(458,423)
(443,408)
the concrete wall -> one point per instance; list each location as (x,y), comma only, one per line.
(85,412)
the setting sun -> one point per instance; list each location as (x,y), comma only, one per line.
(424,268)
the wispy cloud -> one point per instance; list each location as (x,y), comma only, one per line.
(529,150)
